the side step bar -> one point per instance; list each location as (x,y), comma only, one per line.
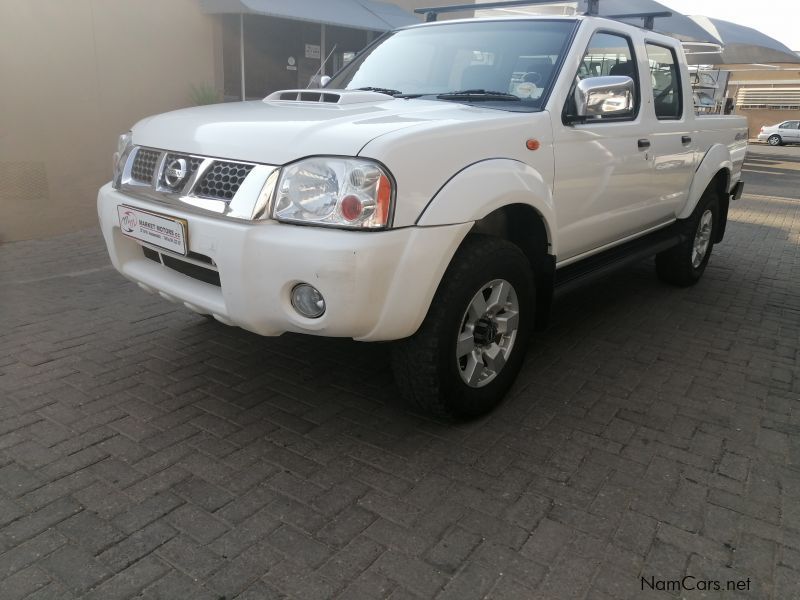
(615,258)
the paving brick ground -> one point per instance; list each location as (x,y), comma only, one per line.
(147,453)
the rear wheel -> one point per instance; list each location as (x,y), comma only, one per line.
(684,264)
(774,140)
(470,347)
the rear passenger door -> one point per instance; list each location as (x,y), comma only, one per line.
(672,141)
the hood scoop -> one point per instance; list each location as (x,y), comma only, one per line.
(340,97)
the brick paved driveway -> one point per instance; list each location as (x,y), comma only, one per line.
(147,453)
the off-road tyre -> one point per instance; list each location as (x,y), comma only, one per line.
(426,366)
(679,265)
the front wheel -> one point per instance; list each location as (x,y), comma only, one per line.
(470,347)
(774,140)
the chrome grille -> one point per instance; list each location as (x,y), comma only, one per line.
(222,180)
(144,165)
(216,186)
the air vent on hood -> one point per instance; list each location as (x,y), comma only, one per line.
(331,97)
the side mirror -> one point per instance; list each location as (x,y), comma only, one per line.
(608,96)
(324,80)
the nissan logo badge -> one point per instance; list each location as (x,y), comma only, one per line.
(175,172)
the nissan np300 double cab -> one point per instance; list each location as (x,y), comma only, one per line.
(433,193)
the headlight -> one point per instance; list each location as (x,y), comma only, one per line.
(339,192)
(124,145)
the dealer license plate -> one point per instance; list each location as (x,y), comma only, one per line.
(169,233)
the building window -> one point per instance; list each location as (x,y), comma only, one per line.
(282,54)
(785,98)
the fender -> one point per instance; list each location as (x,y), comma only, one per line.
(485,186)
(718,157)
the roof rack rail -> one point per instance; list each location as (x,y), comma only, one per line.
(433,12)
(592,9)
(648,18)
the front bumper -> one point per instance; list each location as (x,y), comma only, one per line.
(376,285)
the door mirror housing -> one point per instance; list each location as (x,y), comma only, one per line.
(324,80)
(605,97)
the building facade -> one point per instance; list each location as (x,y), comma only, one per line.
(76,74)
(766,97)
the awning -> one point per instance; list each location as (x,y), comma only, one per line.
(742,45)
(357,14)
(678,26)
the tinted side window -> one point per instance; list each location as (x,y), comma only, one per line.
(610,54)
(789,125)
(666,82)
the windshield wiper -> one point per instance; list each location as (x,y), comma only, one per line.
(380,90)
(478,95)
(390,92)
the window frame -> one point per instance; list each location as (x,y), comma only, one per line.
(678,77)
(636,82)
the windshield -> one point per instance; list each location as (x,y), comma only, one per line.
(509,65)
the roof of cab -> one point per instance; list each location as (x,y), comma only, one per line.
(611,23)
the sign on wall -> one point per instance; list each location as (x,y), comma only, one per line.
(312,51)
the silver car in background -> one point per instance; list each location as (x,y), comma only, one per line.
(787,132)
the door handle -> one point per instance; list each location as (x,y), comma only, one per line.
(643,143)
(686,139)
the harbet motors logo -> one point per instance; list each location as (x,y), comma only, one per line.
(129,221)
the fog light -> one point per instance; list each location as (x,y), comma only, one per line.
(308,301)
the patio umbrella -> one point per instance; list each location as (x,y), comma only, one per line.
(675,25)
(741,45)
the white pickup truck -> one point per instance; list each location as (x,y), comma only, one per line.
(435,192)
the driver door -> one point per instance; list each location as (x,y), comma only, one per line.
(603,179)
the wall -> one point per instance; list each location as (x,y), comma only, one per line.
(758,117)
(786,77)
(75,75)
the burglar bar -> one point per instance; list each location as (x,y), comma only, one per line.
(592,9)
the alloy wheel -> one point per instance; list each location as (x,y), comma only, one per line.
(488,332)
(702,238)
